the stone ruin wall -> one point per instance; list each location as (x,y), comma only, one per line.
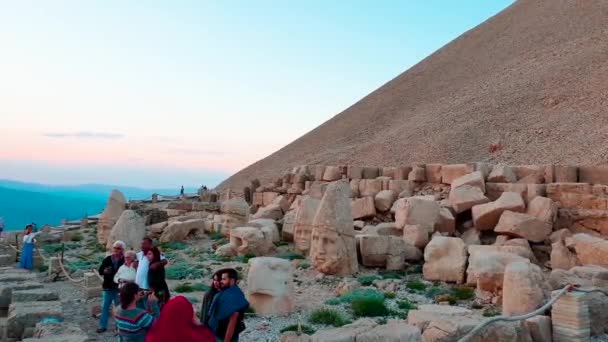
(581,192)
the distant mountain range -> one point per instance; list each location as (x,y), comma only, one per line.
(22,203)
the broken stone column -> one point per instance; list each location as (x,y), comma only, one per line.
(92,285)
(570,318)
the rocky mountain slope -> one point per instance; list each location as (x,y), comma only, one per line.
(533,80)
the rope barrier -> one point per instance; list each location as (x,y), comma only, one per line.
(67,274)
(542,309)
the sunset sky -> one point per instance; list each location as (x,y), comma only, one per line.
(164,93)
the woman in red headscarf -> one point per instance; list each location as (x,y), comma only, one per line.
(178,322)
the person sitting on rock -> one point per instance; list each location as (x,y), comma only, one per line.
(133,322)
(126,273)
(156,277)
(178,322)
(109,267)
(228,308)
(209,295)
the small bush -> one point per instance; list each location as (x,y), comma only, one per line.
(369,307)
(216,236)
(351,296)
(244,258)
(173,245)
(390,295)
(393,274)
(194,300)
(291,256)
(294,327)
(77,237)
(327,316)
(405,304)
(183,271)
(188,287)
(367,280)
(434,291)
(463,293)
(333,301)
(42,268)
(304,266)
(416,285)
(446,298)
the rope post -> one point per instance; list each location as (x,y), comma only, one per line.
(62,250)
(16,247)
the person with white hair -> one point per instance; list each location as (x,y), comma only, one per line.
(109,267)
(126,273)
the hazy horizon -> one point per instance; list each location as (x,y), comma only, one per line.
(189,92)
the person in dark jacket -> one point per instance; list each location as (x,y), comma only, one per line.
(109,267)
(209,295)
(156,277)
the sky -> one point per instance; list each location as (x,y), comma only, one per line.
(164,93)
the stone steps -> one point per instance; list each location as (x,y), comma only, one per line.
(34,295)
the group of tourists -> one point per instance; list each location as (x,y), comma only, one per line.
(136,282)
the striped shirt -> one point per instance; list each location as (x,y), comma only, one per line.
(133,325)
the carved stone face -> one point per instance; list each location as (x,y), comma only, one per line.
(327,251)
(302,229)
(270,276)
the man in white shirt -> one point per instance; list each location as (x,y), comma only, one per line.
(143,264)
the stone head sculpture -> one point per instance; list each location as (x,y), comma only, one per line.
(303,223)
(333,247)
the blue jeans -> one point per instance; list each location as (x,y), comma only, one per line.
(107,298)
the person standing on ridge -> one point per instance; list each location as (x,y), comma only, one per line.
(181,191)
(1,226)
(27,251)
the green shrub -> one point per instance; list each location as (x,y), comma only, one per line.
(77,237)
(369,307)
(463,293)
(351,296)
(390,295)
(194,300)
(172,245)
(405,304)
(244,258)
(393,274)
(291,256)
(57,247)
(216,236)
(416,285)
(333,301)
(183,271)
(294,327)
(367,280)
(327,316)
(188,287)
(304,266)
(434,291)
(42,268)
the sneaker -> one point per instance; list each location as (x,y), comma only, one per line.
(100,330)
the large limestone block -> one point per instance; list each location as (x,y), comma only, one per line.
(130,228)
(346,333)
(250,241)
(392,331)
(543,208)
(25,315)
(270,285)
(370,187)
(523,288)
(416,235)
(595,174)
(268,227)
(591,250)
(7,288)
(523,226)
(386,251)
(240,207)
(388,172)
(445,259)
(502,174)
(433,173)
(117,203)
(354,172)
(529,174)
(370,172)
(34,295)
(363,208)
(271,211)
(446,222)
(288,225)
(562,257)
(486,271)
(474,179)
(585,276)
(565,174)
(179,231)
(540,328)
(402,172)
(466,197)
(418,174)
(522,251)
(453,171)
(333,246)
(417,211)
(332,173)
(384,200)
(486,216)
(384,228)
(399,186)
(302,228)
